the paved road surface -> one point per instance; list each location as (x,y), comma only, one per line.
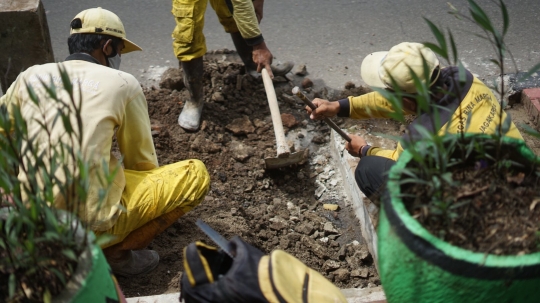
(330,36)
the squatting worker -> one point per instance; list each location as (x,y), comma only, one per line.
(153,197)
(239,18)
(473,97)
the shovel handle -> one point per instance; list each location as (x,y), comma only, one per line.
(281,144)
(296,91)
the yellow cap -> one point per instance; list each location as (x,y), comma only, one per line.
(378,68)
(103,22)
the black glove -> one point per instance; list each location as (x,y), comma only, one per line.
(212,276)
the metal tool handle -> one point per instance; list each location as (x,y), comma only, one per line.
(281,144)
(215,236)
(296,91)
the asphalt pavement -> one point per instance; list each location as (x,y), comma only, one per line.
(331,37)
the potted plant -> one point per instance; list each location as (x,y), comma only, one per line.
(46,253)
(460,214)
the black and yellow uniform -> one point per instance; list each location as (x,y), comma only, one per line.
(234,15)
(475,99)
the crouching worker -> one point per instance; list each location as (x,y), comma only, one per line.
(144,199)
(210,275)
(454,104)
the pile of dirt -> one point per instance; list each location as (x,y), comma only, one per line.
(270,209)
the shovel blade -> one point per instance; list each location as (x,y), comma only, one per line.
(292,159)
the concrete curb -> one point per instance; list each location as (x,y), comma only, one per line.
(363,212)
(353,295)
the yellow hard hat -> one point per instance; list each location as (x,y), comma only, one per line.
(104,22)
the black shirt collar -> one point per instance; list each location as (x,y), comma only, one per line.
(82,56)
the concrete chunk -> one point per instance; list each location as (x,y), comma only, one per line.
(24,38)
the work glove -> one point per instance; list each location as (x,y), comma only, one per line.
(210,275)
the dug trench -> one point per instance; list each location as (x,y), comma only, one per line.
(270,209)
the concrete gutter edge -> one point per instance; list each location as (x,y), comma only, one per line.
(353,295)
(347,165)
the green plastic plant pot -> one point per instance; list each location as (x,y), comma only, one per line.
(416,266)
(92,281)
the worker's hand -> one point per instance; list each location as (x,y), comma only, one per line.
(258,5)
(354,146)
(263,58)
(324,109)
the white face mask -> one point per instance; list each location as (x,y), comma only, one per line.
(114,62)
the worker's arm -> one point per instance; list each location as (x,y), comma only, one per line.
(358,147)
(134,136)
(370,105)
(246,19)
(387,153)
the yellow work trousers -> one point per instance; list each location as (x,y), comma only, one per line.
(188,38)
(150,194)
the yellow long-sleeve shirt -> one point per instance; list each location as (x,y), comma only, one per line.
(473,97)
(110,100)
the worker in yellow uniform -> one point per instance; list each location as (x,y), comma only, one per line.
(144,198)
(474,98)
(239,18)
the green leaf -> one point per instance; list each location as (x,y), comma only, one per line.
(12,285)
(480,17)
(104,239)
(506,19)
(496,62)
(529,73)
(506,125)
(59,275)
(47,297)
(530,131)
(436,49)
(69,254)
(440,39)
(68,86)
(32,94)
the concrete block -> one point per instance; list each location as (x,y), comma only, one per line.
(531,100)
(24,38)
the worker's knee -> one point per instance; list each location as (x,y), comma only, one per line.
(202,173)
(224,15)
(193,180)
(371,173)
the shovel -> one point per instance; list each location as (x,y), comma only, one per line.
(284,156)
